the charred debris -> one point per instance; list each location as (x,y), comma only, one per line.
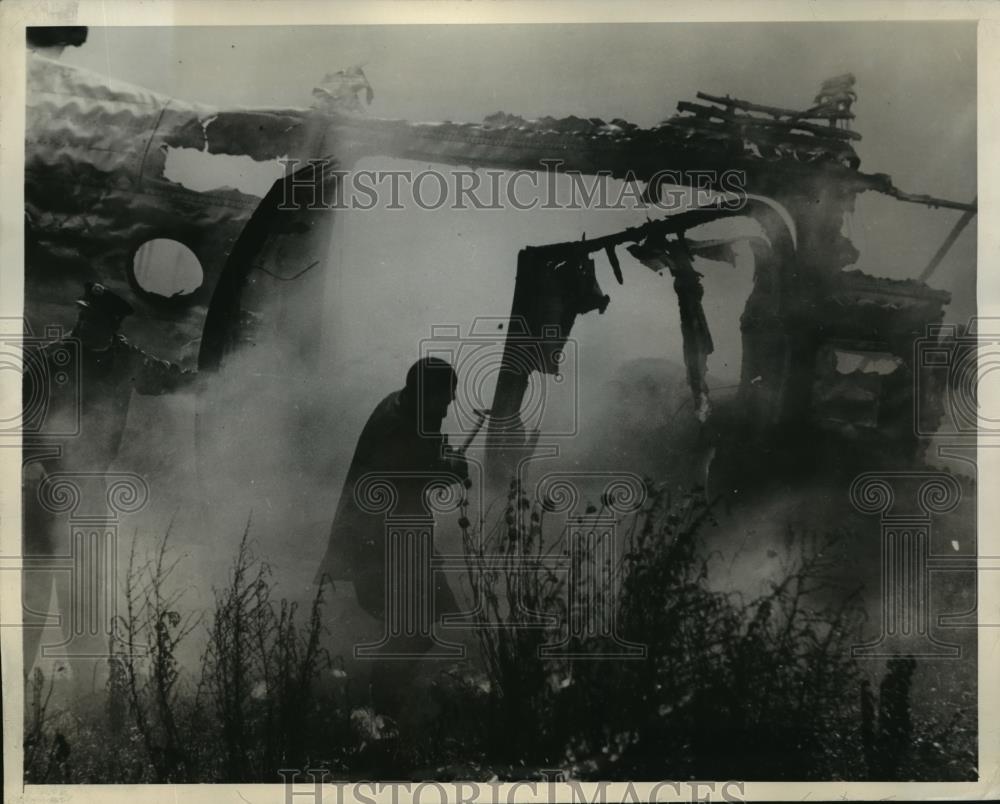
(828,351)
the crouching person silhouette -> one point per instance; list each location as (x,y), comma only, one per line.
(402,446)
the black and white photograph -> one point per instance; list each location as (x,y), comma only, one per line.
(556,402)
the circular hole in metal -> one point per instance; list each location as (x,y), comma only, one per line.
(167,268)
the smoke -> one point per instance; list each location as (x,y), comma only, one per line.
(270,437)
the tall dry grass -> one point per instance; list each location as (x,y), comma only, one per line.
(735,688)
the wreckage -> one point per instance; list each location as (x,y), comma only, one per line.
(97,191)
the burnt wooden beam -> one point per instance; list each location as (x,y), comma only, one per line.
(775,111)
(747,120)
(949,241)
(633,234)
(720,130)
(929,200)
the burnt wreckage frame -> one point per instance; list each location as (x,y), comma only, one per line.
(803,301)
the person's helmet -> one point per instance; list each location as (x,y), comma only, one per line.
(429,375)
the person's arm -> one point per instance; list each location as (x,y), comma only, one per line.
(452,460)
